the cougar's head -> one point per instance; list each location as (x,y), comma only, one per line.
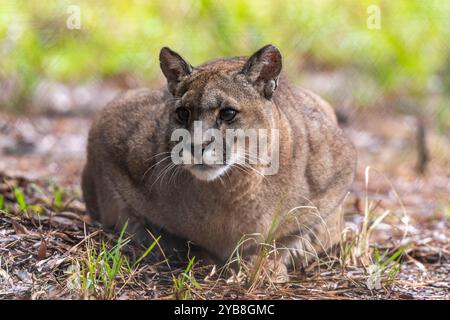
(221,111)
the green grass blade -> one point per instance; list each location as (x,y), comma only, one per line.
(20,198)
(149,249)
(395,256)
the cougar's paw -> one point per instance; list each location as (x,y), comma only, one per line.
(278,272)
(274,270)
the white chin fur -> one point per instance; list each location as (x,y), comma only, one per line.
(209,174)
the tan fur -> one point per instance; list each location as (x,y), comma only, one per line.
(317,164)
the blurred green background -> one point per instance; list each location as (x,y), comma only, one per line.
(407,58)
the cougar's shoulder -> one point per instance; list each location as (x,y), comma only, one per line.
(128,126)
(116,127)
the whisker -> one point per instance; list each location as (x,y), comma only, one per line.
(170,167)
(250,167)
(175,173)
(157,155)
(236,165)
(146,171)
(161,173)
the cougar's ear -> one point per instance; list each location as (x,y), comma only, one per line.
(174,67)
(263,68)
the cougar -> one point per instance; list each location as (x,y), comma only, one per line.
(131,175)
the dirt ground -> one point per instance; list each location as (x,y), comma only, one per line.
(46,242)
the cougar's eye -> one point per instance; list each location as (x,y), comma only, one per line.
(183,114)
(227,114)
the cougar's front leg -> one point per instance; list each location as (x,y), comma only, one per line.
(311,243)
